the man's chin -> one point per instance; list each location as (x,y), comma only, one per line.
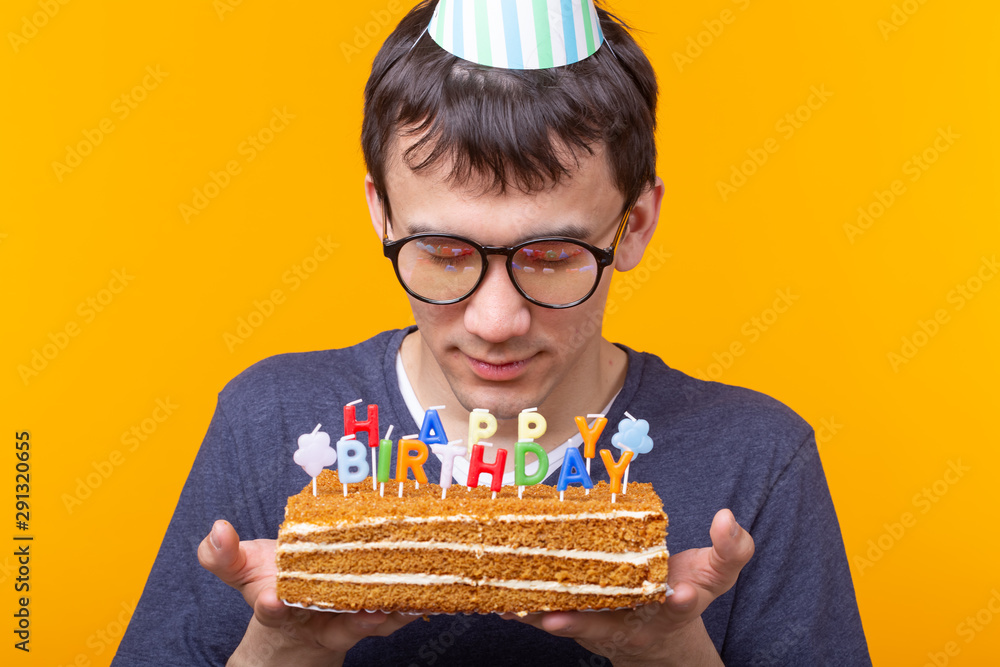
(504,400)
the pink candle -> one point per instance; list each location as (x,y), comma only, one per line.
(448,454)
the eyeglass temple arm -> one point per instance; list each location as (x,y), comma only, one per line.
(622,226)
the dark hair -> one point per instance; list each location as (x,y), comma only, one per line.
(510,128)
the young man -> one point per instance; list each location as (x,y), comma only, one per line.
(488,160)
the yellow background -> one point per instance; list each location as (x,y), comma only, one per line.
(891,430)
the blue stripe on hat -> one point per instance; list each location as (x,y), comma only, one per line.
(512,33)
(569,32)
(458,39)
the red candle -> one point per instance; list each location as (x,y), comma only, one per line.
(369,426)
(495,469)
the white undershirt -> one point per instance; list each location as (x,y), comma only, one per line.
(460,469)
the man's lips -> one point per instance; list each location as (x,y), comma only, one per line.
(500,371)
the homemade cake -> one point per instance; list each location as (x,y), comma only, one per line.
(470,552)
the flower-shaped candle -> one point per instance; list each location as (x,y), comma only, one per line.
(632,436)
(315,453)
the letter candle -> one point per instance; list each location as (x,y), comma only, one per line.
(632,436)
(406,461)
(448,454)
(432,430)
(615,470)
(351,454)
(385,449)
(369,426)
(521,478)
(590,436)
(530,425)
(573,471)
(495,470)
(481,425)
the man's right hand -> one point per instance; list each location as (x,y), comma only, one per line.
(279,634)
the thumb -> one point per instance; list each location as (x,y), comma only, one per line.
(220,553)
(270,610)
(732,548)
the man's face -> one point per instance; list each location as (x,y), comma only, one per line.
(495,349)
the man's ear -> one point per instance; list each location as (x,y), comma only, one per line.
(641,225)
(374,205)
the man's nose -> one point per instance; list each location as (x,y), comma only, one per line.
(497,312)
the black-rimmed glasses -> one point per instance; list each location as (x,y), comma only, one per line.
(553,272)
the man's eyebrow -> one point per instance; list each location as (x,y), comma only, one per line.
(571,231)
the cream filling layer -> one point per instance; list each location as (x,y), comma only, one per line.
(633,557)
(647,588)
(307,528)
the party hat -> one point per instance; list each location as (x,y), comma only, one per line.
(517,34)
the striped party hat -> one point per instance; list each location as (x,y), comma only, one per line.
(517,34)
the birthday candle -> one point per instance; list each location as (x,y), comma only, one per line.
(615,470)
(481,425)
(632,436)
(405,460)
(530,425)
(521,478)
(448,454)
(351,454)
(573,472)
(369,426)
(432,430)
(590,436)
(477,465)
(385,462)
(314,453)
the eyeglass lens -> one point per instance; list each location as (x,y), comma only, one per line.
(445,269)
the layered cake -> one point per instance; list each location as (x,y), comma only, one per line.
(470,552)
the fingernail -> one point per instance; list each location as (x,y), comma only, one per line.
(734,527)
(213,538)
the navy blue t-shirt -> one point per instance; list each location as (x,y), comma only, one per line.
(716,446)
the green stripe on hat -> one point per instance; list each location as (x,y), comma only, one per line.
(543,35)
(483,30)
(506,38)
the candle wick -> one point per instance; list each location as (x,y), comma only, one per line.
(353,403)
(316,429)
(630,416)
